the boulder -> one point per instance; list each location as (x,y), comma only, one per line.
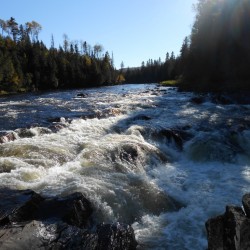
(11,136)
(18,206)
(246,204)
(231,230)
(30,221)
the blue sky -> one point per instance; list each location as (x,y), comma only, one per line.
(134,30)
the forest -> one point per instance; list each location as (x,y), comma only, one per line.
(26,64)
(215,57)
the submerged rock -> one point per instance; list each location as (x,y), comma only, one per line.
(30,221)
(231,230)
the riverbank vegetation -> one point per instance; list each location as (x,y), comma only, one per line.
(215,57)
(218,53)
(26,64)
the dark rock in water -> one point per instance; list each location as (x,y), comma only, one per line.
(8,137)
(17,206)
(142,117)
(215,232)
(74,209)
(197,100)
(222,99)
(81,95)
(59,120)
(30,221)
(115,236)
(25,133)
(178,136)
(229,231)
(38,235)
(246,204)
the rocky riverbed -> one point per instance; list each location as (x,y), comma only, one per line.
(157,161)
(31,221)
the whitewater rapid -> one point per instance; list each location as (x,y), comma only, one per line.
(115,146)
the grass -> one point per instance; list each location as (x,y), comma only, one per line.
(171,83)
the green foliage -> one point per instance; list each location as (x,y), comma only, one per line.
(154,71)
(26,63)
(171,83)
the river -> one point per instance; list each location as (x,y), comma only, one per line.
(142,154)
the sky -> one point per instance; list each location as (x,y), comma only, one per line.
(133,30)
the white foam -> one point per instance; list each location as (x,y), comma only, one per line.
(125,175)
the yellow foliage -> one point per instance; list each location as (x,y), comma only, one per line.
(15,79)
(120,78)
(87,60)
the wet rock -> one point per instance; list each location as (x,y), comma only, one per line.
(197,100)
(142,117)
(8,137)
(230,230)
(175,135)
(89,115)
(246,204)
(30,221)
(59,120)
(74,209)
(82,95)
(222,99)
(116,236)
(215,232)
(17,206)
(25,133)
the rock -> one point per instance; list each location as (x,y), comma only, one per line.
(73,209)
(116,236)
(8,137)
(229,231)
(246,204)
(142,117)
(178,136)
(215,232)
(39,235)
(222,99)
(25,133)
(81,95)
(197,100)
(30,221)
(17,206)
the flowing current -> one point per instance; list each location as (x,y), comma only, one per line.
(142,154)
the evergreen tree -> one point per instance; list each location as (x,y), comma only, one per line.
(219,53)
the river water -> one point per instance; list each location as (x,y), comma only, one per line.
(142,154)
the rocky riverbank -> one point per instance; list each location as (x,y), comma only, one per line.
(232,229)
(31,221)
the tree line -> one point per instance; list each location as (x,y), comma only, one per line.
(218,56)
(26,64)
(153,70)
(215,57)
